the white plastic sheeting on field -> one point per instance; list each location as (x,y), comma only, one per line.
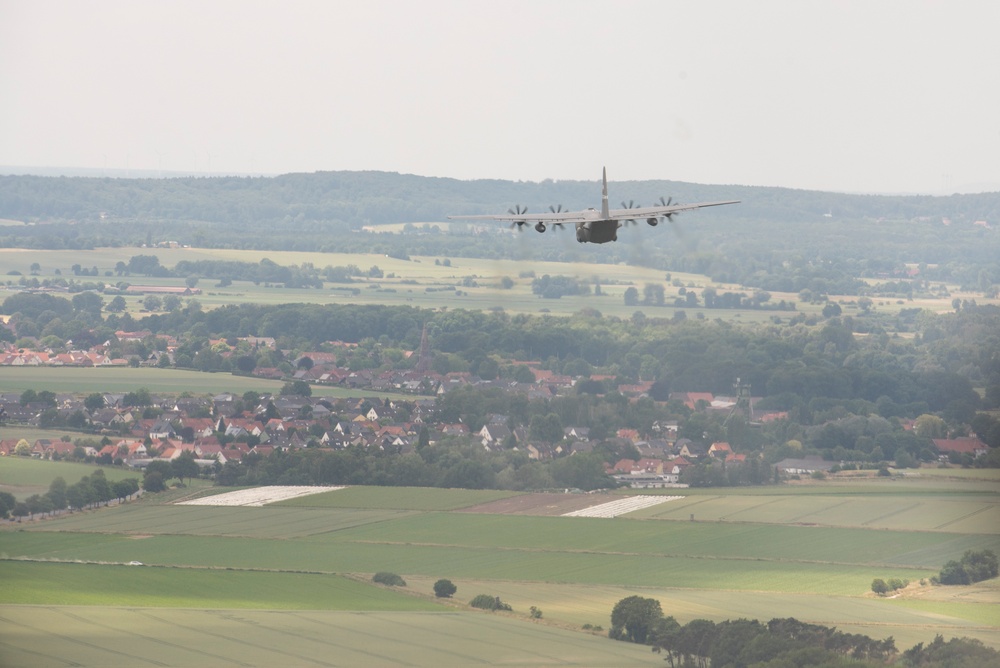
(621,506)
(258,496)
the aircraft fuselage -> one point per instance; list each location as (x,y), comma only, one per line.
(597,231)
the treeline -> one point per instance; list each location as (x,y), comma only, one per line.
(90,490)
(778,643)
(226,271)
(382,197)
(446,464)
(266,271)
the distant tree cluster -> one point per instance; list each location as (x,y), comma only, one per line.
(554,287)
(91,490)
(779,642)
(974,566)
(883,587)
(489,602)
(389,579)
(159,471)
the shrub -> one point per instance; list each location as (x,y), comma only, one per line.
(881,587)
(488,602)
(390,579)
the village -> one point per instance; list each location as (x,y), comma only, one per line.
(136,428)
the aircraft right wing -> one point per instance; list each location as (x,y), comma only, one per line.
(667,210)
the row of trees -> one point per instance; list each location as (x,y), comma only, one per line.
(799,362)
(446,464)
(90,490)
(779,642)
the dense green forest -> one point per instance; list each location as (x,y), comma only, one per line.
(776,239)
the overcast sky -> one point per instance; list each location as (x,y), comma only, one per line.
(863,96)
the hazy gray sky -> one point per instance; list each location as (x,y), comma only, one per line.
(853,96)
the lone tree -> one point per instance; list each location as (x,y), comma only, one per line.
(444,588)
(185,467)
(634,618)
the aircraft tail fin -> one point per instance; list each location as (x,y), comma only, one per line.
(605,211)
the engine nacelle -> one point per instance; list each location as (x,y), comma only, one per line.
(539,227)
(652,222)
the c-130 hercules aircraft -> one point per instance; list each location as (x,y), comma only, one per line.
(593,226)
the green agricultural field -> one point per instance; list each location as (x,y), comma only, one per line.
(416,282)
(148,586)
(24,476)
(421,282)
(992,475)
(32,434)
(38,637)
(85,380)
(157,381)
(960,514)
(267,522)
(922,482)
(769,557)
(412,498)
(578,605)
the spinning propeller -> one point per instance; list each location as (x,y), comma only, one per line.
(517,211)
(556,209)
(631,205)
(669,216)
(668,202)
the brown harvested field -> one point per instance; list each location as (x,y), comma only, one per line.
(539,504)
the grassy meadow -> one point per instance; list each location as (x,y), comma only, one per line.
(809,551)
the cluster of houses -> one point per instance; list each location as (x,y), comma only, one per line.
(665,471)
(222,428)
(97,356)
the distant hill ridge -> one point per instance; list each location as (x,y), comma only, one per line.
(369,197)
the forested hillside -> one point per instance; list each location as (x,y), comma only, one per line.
(776,239)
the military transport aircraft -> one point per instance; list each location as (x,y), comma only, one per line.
(593,226)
